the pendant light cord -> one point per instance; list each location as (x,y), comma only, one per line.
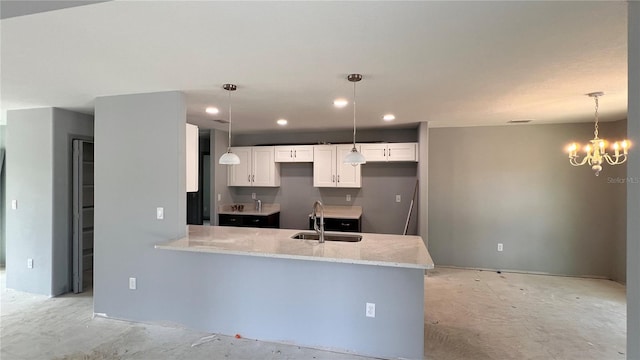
(354,115)
(229,101)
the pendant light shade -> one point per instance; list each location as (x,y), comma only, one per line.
(229,158)
(354,157)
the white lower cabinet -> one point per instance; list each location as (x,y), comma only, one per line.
(390,152)
(257,167)
(330,171)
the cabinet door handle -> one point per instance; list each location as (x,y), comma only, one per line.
(389,152)
(253,178)
(249,178)
(290,153)
(338,178)
(384,152)
(295,153)
(333,178)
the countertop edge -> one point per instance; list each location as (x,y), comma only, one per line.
(296,257)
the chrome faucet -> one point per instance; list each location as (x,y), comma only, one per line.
(318,229)
(258,205)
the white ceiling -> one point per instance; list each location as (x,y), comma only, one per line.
(449,63)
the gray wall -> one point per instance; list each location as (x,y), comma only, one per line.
(423,175)
(514,185)
(38,176)
(319,137)
(136,171)
(633,188)
(2,200)
(381,182)
(30,182)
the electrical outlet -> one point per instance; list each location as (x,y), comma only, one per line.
(29,263)
(253,196)
(14,204)
(348,197)
(160,213)
(370,310)
(398,198)
(132,284)
(500,247)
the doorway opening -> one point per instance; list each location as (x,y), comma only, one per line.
(83,189)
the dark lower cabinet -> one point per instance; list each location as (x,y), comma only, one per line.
(269,221)
(333,224)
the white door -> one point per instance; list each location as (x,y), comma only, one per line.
(324,166)
(264,168)
(402,152)
(348,176)
(240,175)
(302,153)
(284,154)
(374,152)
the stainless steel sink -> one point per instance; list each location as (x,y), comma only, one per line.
(327,237)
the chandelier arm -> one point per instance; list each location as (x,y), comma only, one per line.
(574,161)
(617,160)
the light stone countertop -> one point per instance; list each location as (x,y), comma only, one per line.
(249,209)
(374,249)
(342,212)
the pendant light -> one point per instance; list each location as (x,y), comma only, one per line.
(354,157)
(229,158)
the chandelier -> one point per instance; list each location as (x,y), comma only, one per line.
(595,151)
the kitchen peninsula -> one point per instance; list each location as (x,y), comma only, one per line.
(276,288)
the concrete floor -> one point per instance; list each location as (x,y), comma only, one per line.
(468,315)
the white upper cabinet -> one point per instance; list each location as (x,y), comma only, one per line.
(294,153)
(257,167)
(192,158)
(390,152)
(329,169)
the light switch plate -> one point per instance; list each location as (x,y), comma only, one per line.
(253,196)
(500,247)
(219,197)
(29,263)
(398,198)
(132,284)
(160,213)
(14,204)
(348,197)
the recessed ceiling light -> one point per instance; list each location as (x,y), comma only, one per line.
(212,110)
(389,117)
(340,103)
(282,122)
